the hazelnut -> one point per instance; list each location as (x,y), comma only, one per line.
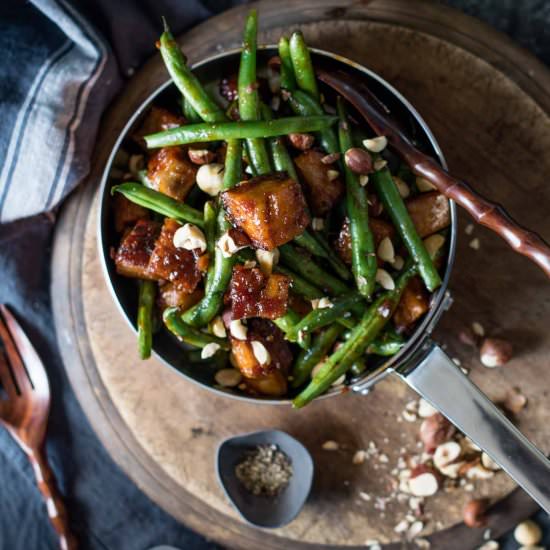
(358,160)
(301,141)
(424,481)
(446,454)
(495,352)
(475,512)
(201,156)
(434,431)
(528,533)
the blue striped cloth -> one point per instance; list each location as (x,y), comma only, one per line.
(62,63)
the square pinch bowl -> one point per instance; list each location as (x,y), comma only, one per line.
(263,511)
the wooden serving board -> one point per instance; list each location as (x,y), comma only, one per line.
(488,104)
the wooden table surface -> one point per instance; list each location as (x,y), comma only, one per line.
(487,103)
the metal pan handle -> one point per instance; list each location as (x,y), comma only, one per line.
(438,380)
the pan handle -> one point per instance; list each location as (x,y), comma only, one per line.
(438,380)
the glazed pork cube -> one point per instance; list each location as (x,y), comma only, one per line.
(268,378)
(171,172)
(127,213)
(429,212)
(158,119)
(322,189)
(271,210)
(170,296)
(414,303)
(175,265)
(134,253)
(253,294)
(379,228)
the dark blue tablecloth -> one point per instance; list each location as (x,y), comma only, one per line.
(107,510)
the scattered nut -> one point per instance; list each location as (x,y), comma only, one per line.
(469,229)
(363,180)
(402,187)
(301,141)
(434,243)
(375,145)
(218,328)
(330,445)
(423,482)
(446,453)
(210,178)
(339,381)
(452,470)
(488,462)
(260,353)
(238,330)
(415,529)
(317,224)
(267,259)
(228,378)
(489,545)
(423,185)
(515,401)
(209,350)
(398,262)
(434,430)
(358,160)
(467,336)
(474,513)
(386,251)
(528,533)
(189,237)
(384,279)
(380,164)
(478,471)
(227,245)
(321,303)
(359,457)
(331,158)
(425,409)
(249,264)
(201,156)
(332,175)
(478,329)
(495,352)
(475,244)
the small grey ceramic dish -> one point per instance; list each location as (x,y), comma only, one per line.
(262,511)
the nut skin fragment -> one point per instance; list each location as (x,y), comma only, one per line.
(474,513)
(303,142)
(201,156)
(495,352)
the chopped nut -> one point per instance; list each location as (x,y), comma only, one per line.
(249,264)
(478,329)
(423,481)
(238,330)
(209,350)
(409,416)
(475,244)
(489,545)
(267,259)
(332,175)
(363,180)
(415,529)
(495,352)
(386,251)
(260,352)
(359,457)
(375,145)
(380,164)
(210,178)
(474,513)
(301,141)
(218,328)
(398,262)
(317,224)
(200,156)
(189,237)
(479,472)
(434,430)
(402,187)
(514,401)
(402,526)
(228,378)
(384,279)
(469,229)
(452,470)
(227,245)
(423,185)
(358,161)
(339,381)
(330,158)
(528,533)
(425,409)
(321,303)
(446,453)
(488,462)
(330,445)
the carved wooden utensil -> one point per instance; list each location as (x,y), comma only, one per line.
(25,414)
(484,211)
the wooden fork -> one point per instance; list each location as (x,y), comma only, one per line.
(25,414)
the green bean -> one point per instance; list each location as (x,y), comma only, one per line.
(331,256)
(210,220)
(321,317)
(307,359)
(143,179)
(147,292)
(188,111)
(299,285)
(219,276)
(358,367)
(159,202)
(310,271)
(186,81)
(301,63)
(386,344)
(189,335)
(395,207)
(304,105)
(249,101)
(217,361)
(288,80)
(363,253)
(375,319)
(286,323)
(195,133)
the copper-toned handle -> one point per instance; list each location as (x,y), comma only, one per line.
(484,212)
(56,509)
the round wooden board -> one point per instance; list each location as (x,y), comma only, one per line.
(488,105)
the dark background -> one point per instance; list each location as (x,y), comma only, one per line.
(107,510)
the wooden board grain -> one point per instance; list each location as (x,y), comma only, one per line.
(488,105)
